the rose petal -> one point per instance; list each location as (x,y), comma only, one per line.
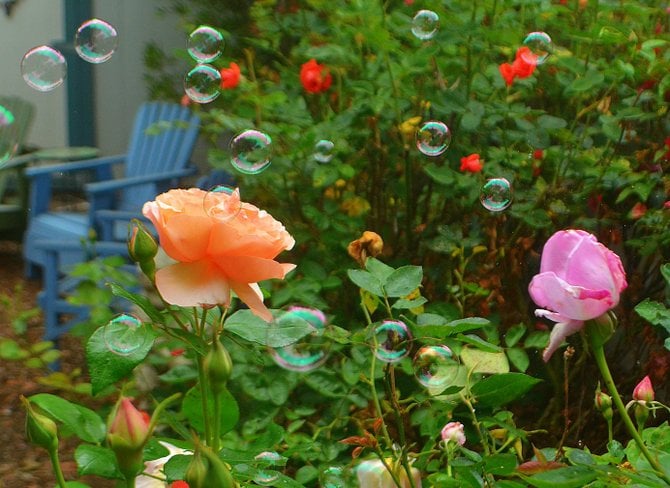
(193,284)
(558,250)
(558,335)
(550,291)
(250,269)
(250,294)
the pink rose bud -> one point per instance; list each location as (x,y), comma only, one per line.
(644,392)
(127,434)
(453,432)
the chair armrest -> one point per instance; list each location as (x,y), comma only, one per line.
(113,185)
(102,248)
(105,220)
(75,166)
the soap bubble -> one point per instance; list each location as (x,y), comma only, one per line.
(43,68)
(425,24)
(433,138)
(8,136)
(124,335)
(266,477)
(251,151)
(222,202)
(96,41)
(311,351)
(323,151)
(205,44)
(333,477)
(540,48)
(394,341)
(203,83)
(435,367)
(496,194)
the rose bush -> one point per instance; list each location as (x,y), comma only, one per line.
(231,246)
(579,279)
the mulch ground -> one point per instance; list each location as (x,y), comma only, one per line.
(21,464)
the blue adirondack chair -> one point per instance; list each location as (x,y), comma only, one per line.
(159,151)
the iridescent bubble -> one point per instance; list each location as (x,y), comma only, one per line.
(96,41)
(43,68)
(203,83)
(323,151)
(425,24)
(333,477)
(251,151)
(311,351)
(539,47)
(496,194)
(433,138)
(269,459)
(435,367)
(205,44)
(222,202)
(123,335)
(8,136)
(394,341)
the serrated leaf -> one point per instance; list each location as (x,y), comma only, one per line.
(449,328)
(403,304)
(107,366)
(279,333)
(403,281)
(501,389)
(654,312)
(379,270)
(367,281)
(140,300)
(568,477)
(97,461)
(485,362)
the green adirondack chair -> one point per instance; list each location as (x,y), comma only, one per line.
(13,184)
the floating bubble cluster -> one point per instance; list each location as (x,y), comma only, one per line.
(43,68)
(394,341)
(425,24)
(435,367)
(205,44)
(311,351)
(539,47)
(267,477)
(251,151)
(123,335)
(323,151)
(203,83)
(433,138)
(496,194)
(96,41)
(222,202)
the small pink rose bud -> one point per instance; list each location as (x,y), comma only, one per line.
(127,434)
(453,432)
(644,391)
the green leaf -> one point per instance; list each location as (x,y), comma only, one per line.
(379,270)
(479,343)
(569,477)
(97,461)
(500,389)
(175,468)
(654,312)
(403,281)
(484,362)
(550,122)
(10,350)
(367,281)
(191,409)
(442,330)
(538,339)
(106,366)
(76,484)
(665,271)
(140,300)
(514,334)
(403,304)
(519,358)
(179,374)
(284,332)
(500,464)
(82,421)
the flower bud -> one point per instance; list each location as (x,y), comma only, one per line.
(644,391)
(453,432)
(218,367)
(40,429)
(142,247)
(641,415)
(603,403)
(196,472)
(127,434)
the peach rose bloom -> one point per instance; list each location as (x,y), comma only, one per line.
(220,244)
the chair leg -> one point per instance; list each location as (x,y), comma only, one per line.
(31,271)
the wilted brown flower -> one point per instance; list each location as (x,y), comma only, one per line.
(369,244)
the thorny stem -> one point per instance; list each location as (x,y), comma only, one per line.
(566,400)
(475,423)
(601,361)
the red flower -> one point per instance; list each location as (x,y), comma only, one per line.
(179,484)
(507,72)
(638,211)
(177,352)
(524,62)
(315,77)
(185,101)
(538,154)
(230,77)
(472,163)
